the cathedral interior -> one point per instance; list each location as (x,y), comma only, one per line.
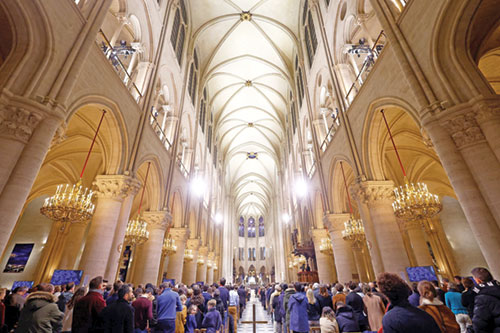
(256,140)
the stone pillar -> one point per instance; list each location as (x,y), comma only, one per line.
(479,216)
(158,223)
(133,186)
(201,273)
(326,269)
(488,118)
(342,252)
(378,196)
(418,243)
(24,142)
(210,269)
(174,270)
(190,267)
(359,259)
(73,245)
(112,189)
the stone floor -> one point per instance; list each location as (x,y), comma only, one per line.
(261,315)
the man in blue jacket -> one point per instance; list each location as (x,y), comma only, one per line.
(169,304)
(297,306)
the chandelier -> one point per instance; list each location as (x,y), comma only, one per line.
(209,263)
(325,246)
(137,232)
(214,266)
(413,202)
(169,246)
(188,255)
(72,203)
(354,230)
(200,261)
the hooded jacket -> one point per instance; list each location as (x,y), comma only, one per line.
(288,293)
(297,307)
(487,308)
(40,314)
(347,319)
(404,317)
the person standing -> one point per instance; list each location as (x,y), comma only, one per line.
(487,302)
(68,314)
(169,304)
(224,296)
(468,296)
(65,296)
(232,310)
(339,296)
(402,317)
(453,300)
(119,316)
(3,292)
(87,310)
(181,317)
(355,301)
(375,309)
(432,305)
(459,283)
(297,306)
(324,298)
(40,313)
(286,297)
(328,323)
(242,294)
(346,318)
(276,309)
(212,321)
(143,310)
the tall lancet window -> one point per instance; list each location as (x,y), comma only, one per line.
(178,34)
(261,227)
(251,227)
(241,229)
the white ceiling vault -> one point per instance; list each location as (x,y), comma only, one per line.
(246,65)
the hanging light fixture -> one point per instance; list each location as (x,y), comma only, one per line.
(188,255)
(354,230)
(413,202)
(169,246)
(72,203)
(326,246)
(137,232)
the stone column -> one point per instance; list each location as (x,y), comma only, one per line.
(158,222)
(359,259)
(190,267)
(418,243)
(174,270)
(479,216)
(488,118)
(326,270)
(210,270)
(201,273)
(342,252)
(112,189)
(133,186)
(378,195)
(73,245)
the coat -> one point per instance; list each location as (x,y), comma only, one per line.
(180,320)
(86,313)
(414,299)
(297,307)
(376,310)
(143,312)
(191,324)
(487,308)
(405,318)
(467,300)
(288,293)
(276,305)
(63,299)
(347,320)
(40,314)
(328,326)
(118,317)
(313,311)
(324,301)
(442,315)
(212,321)
(453,300)
(356,302)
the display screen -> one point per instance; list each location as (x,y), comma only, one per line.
(62,276)
(28,284)
(420,273)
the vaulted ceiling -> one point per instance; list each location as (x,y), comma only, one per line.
(246,50)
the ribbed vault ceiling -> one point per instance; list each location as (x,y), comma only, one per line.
(246,66)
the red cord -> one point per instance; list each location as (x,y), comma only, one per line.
(92,145)
(393,144)
(144,188)
(345,184)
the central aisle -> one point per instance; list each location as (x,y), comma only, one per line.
(261,315)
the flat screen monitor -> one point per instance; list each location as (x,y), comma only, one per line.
(27,284)
(63,276)
(420,273)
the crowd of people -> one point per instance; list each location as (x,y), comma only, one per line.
(388,305)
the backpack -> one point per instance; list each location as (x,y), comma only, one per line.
(443,317)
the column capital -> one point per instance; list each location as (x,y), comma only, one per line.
(203,251)
(335,222)
(372,191)
(211,255)
(18,123)
(157,220)
(180,234)
(116,187)
(487,110)
(193,244)
(464,129)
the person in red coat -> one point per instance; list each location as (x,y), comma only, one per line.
(87,309)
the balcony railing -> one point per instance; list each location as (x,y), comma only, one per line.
(182,168)
(112,55)
(153,121)
(372,55)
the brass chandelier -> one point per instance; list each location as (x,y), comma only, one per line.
(169,246)
(137,229)
(354,230)
(72,203)
(326,246)
(413,202)
(188,255)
